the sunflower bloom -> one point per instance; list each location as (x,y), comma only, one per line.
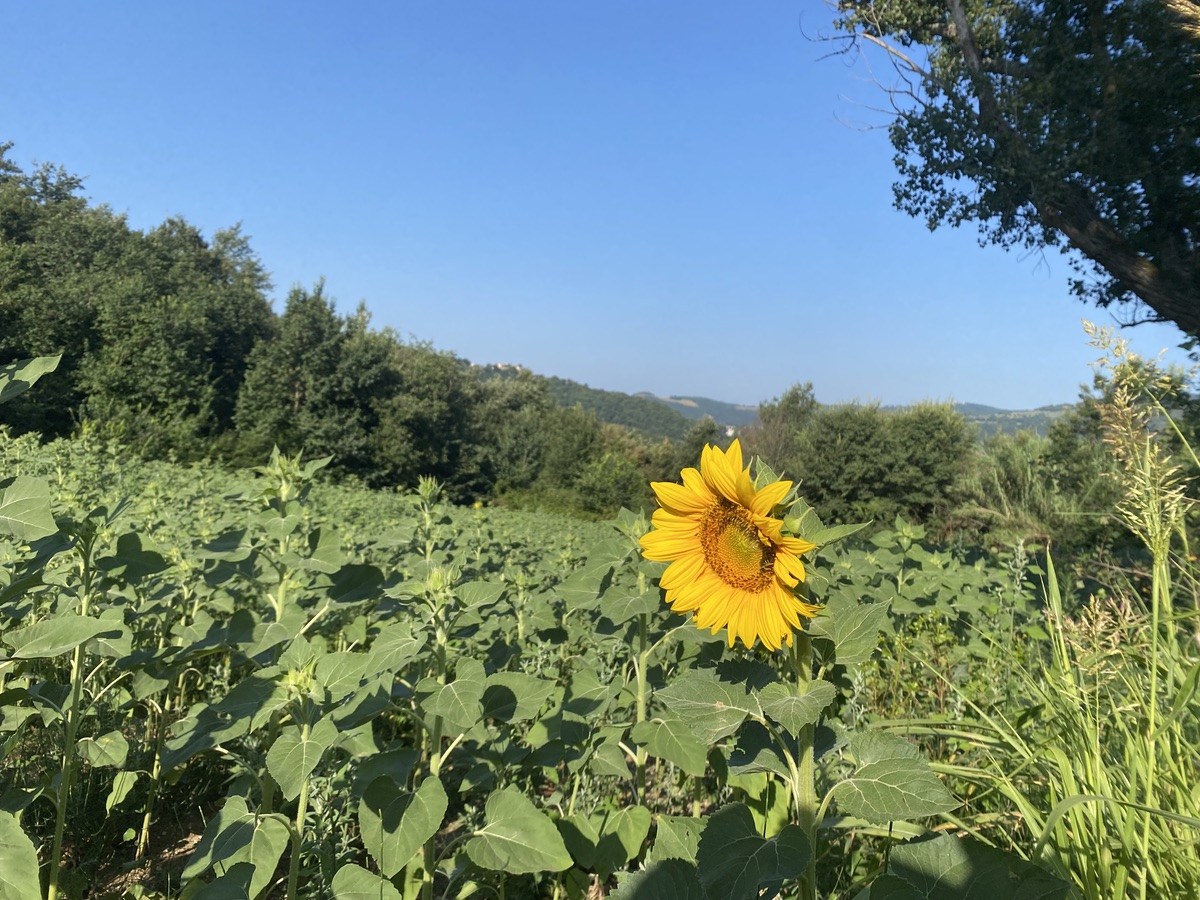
(731,565)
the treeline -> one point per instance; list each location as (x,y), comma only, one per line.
(645,415)
(927,464)
(169,344)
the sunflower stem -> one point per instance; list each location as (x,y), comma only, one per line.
(804,789)
(640,664)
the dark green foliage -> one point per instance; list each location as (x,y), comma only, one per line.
(427,426)
(641,413)
(858,463)
(153,327)
(842,459)
(611,482)
(1067,123)
(775,435)
(735,415)
(314,386)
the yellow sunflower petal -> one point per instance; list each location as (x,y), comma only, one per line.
(795,545)
(679,498)
(789,569)
(694,481)
(769,496)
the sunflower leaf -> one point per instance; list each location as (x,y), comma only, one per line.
(890,789)
(667,879)
(953,868)
(671,740)
(853,627)
(711,708)
(792,712)
(353,882)
(517,838)
(395,823)
(734,862)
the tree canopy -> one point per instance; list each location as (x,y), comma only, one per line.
(1053,123)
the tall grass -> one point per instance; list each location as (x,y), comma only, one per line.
(1102,769)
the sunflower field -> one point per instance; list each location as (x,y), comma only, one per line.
(220,684)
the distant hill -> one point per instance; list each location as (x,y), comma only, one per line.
(722,413)
(639,412)
(991,420)
(671,417)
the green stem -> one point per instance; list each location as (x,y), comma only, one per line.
(804,789)
(1159,595)
(298,830)
(160,738)
(639,666)
(442,640)
(72,723)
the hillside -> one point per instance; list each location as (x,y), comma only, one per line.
(671,417)
(990,420)
(737,415)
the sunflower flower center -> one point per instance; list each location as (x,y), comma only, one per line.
(734,549)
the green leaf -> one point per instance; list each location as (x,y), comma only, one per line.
(515,696)
(236,835)
(325,551)
(671,740)
(204,728)
(676,837)
(517,838)
(353,882)
(394,648)
(18,377)
(887,887)
(233,885)
(340,674)
(711,708)
(136,557)
(734,863)
(668,879)
(620,604)
(892,789)
(53,637)
(580,838)
(122,785)
(479,593)
(18,862)
(294,755)
(459,703)
(25,509)
(582,587)
(756,750)
(395,823)
(853,627)
(109,749)
(792,712)
(874,746)
(953,868)
(622,834)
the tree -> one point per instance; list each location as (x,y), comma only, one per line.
(292,396)
(775,434)
(1053,123)
(427,424)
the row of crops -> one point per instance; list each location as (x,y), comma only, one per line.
(255,684)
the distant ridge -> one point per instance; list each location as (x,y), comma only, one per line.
(671,417)
(734,414)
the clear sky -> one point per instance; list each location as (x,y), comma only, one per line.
(676,196)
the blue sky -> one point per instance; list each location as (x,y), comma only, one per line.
(669,196)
